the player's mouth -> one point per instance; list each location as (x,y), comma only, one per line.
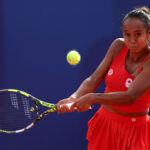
(133,47)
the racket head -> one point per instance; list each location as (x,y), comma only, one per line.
(19,111)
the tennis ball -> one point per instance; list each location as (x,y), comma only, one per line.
(73,57)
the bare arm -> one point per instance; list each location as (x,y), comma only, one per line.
(93,82)
(90,84)
(138,87)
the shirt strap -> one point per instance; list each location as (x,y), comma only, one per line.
(141,65)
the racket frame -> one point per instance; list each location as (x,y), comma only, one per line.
(52,108)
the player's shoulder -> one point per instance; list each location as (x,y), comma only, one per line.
(116,46)
(119,42)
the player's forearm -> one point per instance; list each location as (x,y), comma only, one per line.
(115,98)
(87,86)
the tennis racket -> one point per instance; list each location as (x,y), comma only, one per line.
(19,111)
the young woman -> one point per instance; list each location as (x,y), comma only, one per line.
(122,122)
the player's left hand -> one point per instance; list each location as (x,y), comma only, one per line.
(83,103)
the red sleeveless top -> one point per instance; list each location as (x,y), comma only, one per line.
(118,79)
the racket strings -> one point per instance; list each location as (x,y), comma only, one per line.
(27,108)
(15,111)
(14,100)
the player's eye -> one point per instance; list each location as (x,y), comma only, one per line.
(138,34)
(126,34)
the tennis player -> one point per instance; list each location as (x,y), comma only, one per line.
(122,122)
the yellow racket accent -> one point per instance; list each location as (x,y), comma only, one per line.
(46,104)
(21,92)
(32,109)
(47,112)
(24,93)
(12,90)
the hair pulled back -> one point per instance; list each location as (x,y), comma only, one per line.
(141,13)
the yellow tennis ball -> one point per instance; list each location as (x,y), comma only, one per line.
(73,57)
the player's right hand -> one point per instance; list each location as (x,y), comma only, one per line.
(64,106)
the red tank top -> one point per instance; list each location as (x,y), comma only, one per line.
(118,79)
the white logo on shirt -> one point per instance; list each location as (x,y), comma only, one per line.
(128,82)
(110,72)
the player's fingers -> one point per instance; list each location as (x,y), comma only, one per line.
(68,109)
(83,108)
(73,106)
(61,109)
(58,105)
(58,108)
(64,108)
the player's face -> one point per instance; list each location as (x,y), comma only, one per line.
(135,34)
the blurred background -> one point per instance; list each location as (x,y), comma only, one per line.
(35,37)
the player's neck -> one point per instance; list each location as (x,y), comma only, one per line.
(138,56)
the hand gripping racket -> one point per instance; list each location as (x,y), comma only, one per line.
(19,111)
